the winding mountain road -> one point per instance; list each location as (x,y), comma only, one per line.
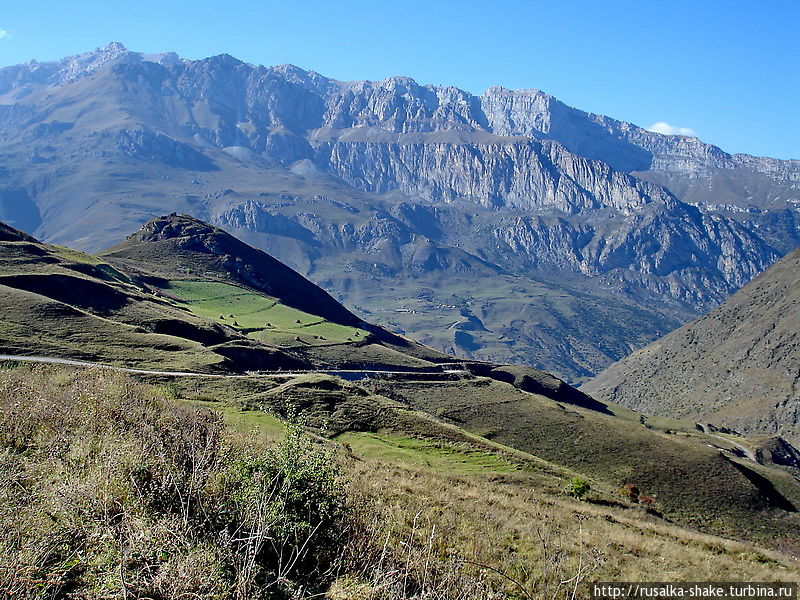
(748,452)
(80,363)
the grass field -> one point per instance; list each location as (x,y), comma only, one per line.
(488,457)
(428,516)
(488,428)
(437,456)
(691,482)
(262,318)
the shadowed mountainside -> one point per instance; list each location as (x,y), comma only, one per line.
(738,366)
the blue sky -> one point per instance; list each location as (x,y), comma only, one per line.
(727,69)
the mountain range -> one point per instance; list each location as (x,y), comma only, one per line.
(506,227)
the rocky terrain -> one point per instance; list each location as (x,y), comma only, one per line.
(507,226)
(738,366)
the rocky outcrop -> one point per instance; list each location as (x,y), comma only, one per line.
(622,145)
(657,249)
(524,175)
(157,146)
(9,234)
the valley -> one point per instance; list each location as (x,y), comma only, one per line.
(185,294)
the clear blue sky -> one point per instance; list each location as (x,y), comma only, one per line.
(727,69)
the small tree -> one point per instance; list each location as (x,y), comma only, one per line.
(577,487)
(285,510)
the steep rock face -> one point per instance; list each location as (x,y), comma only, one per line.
(523,175)
(148,145)
(622,145)
(657,249)
(378,237)
(738,366)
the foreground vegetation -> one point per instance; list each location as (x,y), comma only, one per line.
(112,488)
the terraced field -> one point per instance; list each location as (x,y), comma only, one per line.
(437,456)
(258,316)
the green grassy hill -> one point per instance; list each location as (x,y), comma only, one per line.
(120,487)
(181,295)
(57,302)
(220,278)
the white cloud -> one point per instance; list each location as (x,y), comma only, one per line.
(667,129)
(4,35)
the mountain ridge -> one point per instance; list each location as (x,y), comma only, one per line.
(375,188)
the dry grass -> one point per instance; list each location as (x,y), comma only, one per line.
(111,489)
(494,537)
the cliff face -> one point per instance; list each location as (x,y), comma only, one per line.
(523,175)
(362,184)
(622,145)
(737,366)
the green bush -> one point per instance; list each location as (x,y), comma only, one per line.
(284,511)
(577,487)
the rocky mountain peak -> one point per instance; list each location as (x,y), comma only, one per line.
(224,60)
(113,48)
(174,226)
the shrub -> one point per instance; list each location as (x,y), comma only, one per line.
(172,390)
(630,492)
(284,512)
(577,487)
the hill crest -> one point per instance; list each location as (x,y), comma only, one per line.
(174,236)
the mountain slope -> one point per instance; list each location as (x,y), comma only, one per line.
(62,303)
(213,272)
(181,295)
(180,239)
(122,308)
(394,195)
(738,366)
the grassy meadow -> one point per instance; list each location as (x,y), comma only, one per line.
(258,316)
(118,488)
